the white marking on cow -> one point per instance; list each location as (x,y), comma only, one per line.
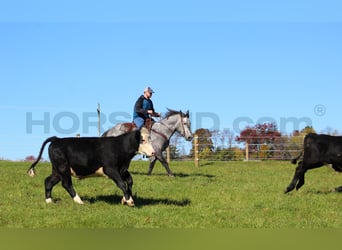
(78,200)
(98,173)
(145,146)
(48,201)
(73,173)
(129,202)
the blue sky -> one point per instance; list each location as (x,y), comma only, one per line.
(230,63)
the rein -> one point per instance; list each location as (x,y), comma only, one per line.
(166,126)
(161,134)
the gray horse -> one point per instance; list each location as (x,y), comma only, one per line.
(161,132)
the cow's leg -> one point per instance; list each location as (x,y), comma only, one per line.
(67,184)
(114,174)
(298,178)
(301,181)
(305,167)
(127,177)
(64,172)
(129,182)
(50,182)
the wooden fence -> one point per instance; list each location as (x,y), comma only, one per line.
(247,152)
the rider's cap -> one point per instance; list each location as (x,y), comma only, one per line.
(148,89)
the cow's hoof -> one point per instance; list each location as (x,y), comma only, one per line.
(287,190)
(48,201)
(129,202)
(78,200)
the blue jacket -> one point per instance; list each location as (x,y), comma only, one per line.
(142,105)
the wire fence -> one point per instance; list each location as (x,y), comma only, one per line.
(285,150)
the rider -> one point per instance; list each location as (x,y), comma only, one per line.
(143,108)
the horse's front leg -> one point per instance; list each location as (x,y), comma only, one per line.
(163,162)
(152,163)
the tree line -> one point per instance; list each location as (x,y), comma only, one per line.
(261,141)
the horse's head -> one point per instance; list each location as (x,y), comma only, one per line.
(186,126)
(177,121)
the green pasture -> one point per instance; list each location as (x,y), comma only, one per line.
(214,195)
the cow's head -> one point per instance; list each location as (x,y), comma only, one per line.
(145,146)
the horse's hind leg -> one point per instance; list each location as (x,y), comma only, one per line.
(338,189)
(166,166)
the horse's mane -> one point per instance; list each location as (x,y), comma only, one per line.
(171,112)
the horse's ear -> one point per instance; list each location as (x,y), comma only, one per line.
(187,113)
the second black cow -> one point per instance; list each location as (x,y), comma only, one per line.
(94,156)
(318,150)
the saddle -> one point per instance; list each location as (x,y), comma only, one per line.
(129,126)
(148,123)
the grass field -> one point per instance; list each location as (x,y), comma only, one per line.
(215,195)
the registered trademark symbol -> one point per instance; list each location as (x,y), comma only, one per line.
(320,110)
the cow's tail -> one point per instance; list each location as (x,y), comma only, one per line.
(31,171)
(294,161)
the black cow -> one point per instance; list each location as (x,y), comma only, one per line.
(94,156)
(318,150)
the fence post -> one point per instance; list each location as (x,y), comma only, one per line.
(196,151)
(247,151)
(99,119)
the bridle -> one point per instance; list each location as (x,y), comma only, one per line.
(171,130)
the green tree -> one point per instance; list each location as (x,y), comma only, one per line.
(205,143)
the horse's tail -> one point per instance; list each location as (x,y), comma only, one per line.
(294,160)
(31,171)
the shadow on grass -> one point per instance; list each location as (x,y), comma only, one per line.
(179,175)
(139,201)
(321,192)
(207,164)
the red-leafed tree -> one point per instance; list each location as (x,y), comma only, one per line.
(32,158)
(266,133)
